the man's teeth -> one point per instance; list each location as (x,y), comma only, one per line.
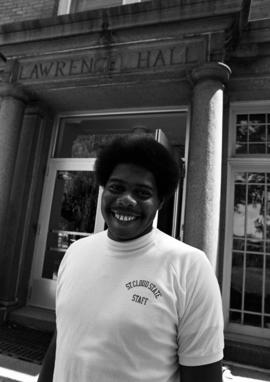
(125,218)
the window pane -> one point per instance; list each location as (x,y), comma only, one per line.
(241,177)
(242,119)
(241,133)
(238,244)
(256,119)
(267,322)
(235,317)
(255,246)
(84,5)
(254,217)
(254,283)
(256,148)
(82,138)
(241,148)
(253,320)
(267,212)
(237,281)
(239,210)
(257,133)
(267,285)
(256,177)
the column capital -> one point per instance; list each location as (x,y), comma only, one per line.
(12,90)
(211,71)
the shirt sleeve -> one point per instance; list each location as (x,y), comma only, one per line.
(200,330)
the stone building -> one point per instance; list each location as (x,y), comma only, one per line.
(193,73)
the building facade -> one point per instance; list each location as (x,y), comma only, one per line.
(193,74)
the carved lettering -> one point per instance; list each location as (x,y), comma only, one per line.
(60,68)
(160,60)
(45,69)
(34,73)
(74,67)
(177,56)
(21,74)
(87,65)
(144,60)
(114,62)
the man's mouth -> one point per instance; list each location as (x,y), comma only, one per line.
(123,217)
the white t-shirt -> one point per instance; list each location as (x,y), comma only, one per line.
(132,311)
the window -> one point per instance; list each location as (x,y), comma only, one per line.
(247,250)
(72,6)
(252,133)
(250,273)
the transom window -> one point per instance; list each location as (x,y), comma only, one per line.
(253,133)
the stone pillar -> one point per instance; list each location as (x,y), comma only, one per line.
(201,228)
(12,104)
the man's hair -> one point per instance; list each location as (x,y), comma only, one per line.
(144,152)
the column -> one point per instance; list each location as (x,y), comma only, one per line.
(12,104)
(201,228)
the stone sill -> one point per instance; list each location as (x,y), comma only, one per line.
(247,350)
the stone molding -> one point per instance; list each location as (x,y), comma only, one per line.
(211,71)
(13,91)
(120,17)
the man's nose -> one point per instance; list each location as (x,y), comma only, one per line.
(126,199)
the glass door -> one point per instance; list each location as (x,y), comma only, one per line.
(70,206)
(70,210)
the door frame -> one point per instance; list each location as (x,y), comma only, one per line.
(242,163)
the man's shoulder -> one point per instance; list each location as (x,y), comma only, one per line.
(171,244)
(181,256)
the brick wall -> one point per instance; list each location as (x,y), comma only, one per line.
(21,10)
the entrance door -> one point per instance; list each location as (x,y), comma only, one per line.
(70,207)
(70,210)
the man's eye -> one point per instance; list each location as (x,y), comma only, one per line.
(115,188)
(143,194)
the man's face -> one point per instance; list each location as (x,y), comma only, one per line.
(129,202)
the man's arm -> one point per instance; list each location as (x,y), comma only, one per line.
(46,373)
(205,373)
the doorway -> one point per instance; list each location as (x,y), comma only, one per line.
(70,206)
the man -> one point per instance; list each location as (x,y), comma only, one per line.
(134,304)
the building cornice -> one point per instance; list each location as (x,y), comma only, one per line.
(156,12)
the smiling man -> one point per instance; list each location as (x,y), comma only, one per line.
(130,202)
(134,304)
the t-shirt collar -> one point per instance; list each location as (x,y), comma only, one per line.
(130,246)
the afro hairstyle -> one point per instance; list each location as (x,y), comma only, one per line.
(142,151)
